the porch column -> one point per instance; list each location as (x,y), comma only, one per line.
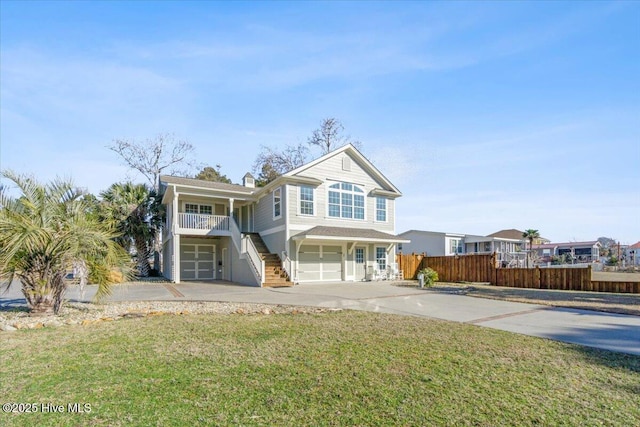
(231,208)
(175,212)
(176,258)
(176,237)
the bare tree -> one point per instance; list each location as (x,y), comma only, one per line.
(152,157)
(328,136)
(272,163)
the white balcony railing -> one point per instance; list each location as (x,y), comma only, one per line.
(203,222)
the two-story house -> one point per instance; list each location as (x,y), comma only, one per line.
(508,251)
(332,219)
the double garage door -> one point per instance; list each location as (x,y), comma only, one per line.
(319,262)
(197,262)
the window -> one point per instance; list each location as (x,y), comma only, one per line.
(194,208)
(359,255)
(455,246)
(306,200)
(381,209)
(381,258)
(346,201)
(277,203)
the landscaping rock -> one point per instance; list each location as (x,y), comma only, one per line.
(88,314)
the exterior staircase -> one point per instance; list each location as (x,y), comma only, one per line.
(275,275)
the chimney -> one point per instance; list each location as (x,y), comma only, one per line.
(249,181)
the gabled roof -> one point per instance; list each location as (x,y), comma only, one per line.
(635,246)
(361,159)
(351,234)
(192,182)
(290,177)
(511,233)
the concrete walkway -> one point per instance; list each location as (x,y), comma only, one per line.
(614,332)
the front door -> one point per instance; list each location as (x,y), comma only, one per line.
(360,263)
(197,262)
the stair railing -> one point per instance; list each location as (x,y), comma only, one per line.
(286,264)
(255,258)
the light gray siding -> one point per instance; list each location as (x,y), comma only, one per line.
(264,211)
(434,244)
(330,171)
(275,241)
(167,259)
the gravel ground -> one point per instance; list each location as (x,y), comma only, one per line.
(88,313)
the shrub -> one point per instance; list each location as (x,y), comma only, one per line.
(430,276)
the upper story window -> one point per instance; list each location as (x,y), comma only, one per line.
(277,203)
(381,209)
(346,201)
(306,200)
(195,208)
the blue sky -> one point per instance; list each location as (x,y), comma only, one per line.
(486,115)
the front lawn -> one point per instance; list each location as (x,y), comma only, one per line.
(345,368)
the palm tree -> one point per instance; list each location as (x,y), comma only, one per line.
(47,230)
(530,235)
(130,208)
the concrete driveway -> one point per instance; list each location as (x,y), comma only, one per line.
(614,332)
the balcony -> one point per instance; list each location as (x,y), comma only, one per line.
(203,224)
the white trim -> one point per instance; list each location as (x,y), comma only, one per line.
(273,203)
(365,163)
(375,209)
(199,205)
(196,261)
(353,206)
(349,239)
(273,230)
(366,258)
(313,200)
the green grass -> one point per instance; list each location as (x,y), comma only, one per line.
(346,368)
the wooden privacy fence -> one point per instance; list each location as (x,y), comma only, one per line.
(462,268)
(482,268)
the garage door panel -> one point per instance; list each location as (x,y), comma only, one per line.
(317,262)
(205,265)
(197,261)
(188,274)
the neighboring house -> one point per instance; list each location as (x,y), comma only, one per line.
(579,252)
(433,243)
(332,219)
(514,234)
(633,254)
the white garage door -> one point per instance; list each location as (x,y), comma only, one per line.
(197,262)
(319,262)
